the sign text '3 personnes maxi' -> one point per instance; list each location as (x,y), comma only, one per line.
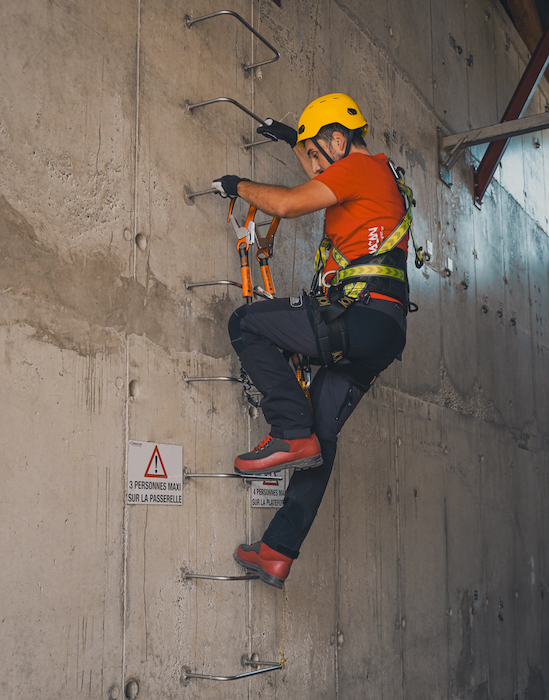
(155,474)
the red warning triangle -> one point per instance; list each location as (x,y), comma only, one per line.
(271,483)
(156,466)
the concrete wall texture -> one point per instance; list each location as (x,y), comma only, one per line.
(426,573)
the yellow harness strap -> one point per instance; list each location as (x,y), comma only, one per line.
(346,272)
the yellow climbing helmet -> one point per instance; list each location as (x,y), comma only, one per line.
(330,109)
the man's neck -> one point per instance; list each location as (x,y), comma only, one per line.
(359,149)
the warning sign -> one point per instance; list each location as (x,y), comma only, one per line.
(155,474)
(270,492)
(158,471)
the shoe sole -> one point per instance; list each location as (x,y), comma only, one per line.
(263,575)
(306,463)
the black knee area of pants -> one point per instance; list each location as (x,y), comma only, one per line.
(286,537)
(292,522)
(235,332)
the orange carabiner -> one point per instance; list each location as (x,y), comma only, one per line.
(231,207)
(242,247)
(266,273)
(251,215)
(264,252)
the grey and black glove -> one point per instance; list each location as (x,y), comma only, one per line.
(278,131)
(227,186)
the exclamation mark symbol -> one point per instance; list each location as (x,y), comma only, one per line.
(156,464)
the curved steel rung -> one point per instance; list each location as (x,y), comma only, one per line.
(212,379)
(247,577)
(190,23)
(211,476)
(245,477)
(257,662)
(185,674)
(226,99)
(253,144)
(192,195)
(258,291)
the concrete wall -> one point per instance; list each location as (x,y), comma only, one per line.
(426,573)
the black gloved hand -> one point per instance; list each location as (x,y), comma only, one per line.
(227,186)
(278,131)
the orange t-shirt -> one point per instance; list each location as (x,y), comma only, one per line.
(369,206)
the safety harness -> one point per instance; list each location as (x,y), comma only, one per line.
(383,271)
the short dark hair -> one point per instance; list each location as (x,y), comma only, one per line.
(327,134)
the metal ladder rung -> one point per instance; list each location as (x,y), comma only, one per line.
(245,477)
(246,577)
(212,379)
(189,22)
(258,291)
(248,393)
(191,195)
(253,144)
(226,99)
(186,674)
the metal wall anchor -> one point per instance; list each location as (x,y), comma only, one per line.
(189,22)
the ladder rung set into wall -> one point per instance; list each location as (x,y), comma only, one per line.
(259,666)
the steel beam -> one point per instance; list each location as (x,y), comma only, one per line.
(497,132)
(520,100)
(452,146)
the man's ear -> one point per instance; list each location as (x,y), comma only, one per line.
(339,141)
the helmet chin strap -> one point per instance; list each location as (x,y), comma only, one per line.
(349,142)
(315,141)
(347,147)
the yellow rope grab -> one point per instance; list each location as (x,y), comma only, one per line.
(282,657)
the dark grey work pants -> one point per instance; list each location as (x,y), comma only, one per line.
(258,332)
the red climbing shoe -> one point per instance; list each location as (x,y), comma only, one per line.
(274,454)
(272,567)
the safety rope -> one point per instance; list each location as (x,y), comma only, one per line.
(311,72)
(282,657)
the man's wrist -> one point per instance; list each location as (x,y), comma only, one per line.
(243,179)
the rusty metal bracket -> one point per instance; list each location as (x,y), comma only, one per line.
(520,100)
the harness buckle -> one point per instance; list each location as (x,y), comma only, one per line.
(324,282)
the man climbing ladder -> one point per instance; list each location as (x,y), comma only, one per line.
(353,323)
